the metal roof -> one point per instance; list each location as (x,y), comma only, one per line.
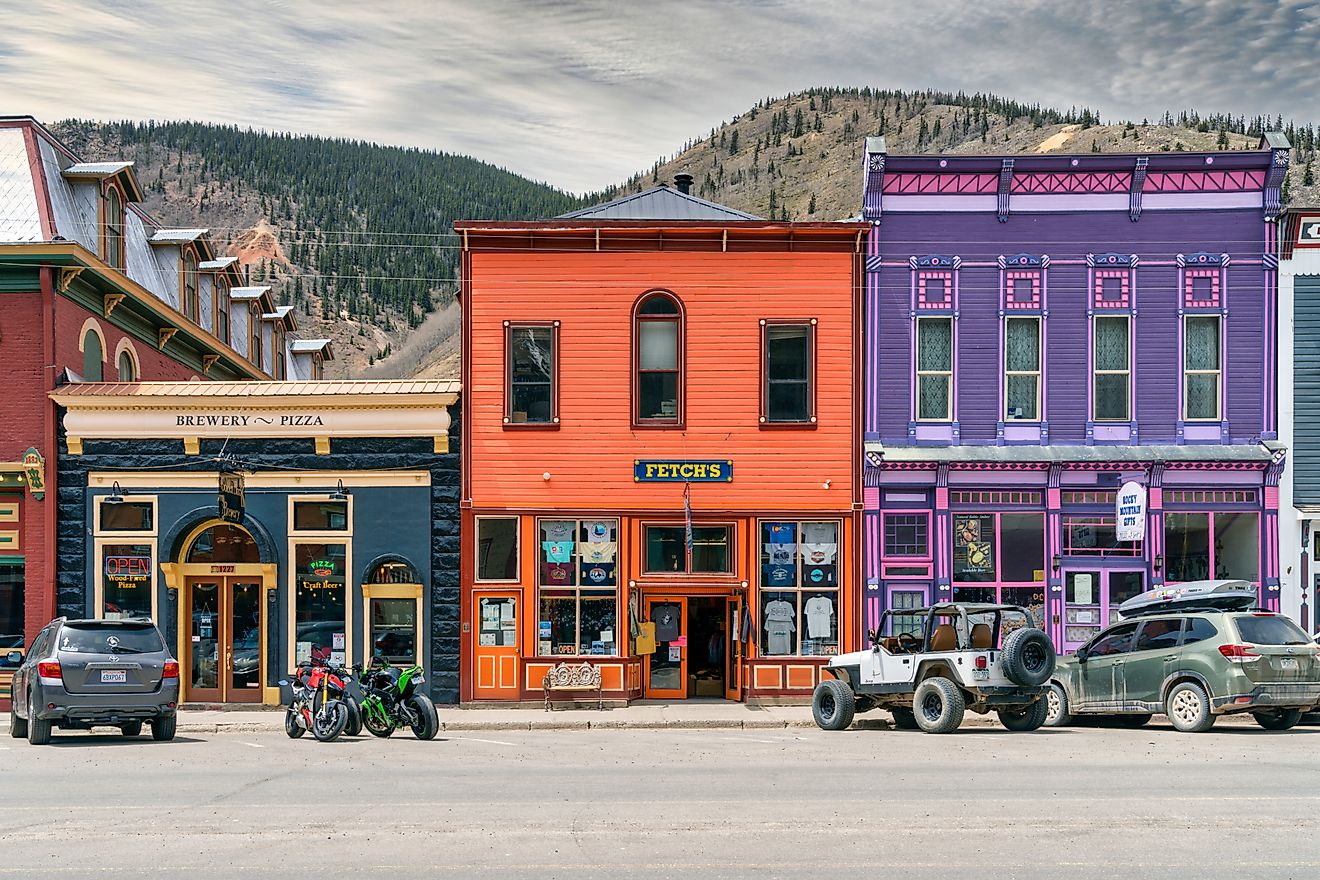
(248,292)
(309,346)
(20,219)
(98,170)
(220,263)
(659,203)
(176,236)
(257,389)
(1064,454)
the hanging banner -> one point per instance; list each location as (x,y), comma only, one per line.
(1130,512)
(231,499)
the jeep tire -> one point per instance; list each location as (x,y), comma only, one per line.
(904,719)
(832,705)
(1188,708)
(938,705)
(1025,720)
(1057,712)
(1028,657)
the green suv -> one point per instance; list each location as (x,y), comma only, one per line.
(1193,652)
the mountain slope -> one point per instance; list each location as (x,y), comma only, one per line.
(357,236)
(799,157)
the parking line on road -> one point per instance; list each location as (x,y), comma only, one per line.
(494,742)
(252,745)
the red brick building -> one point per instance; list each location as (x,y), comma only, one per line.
(93,289)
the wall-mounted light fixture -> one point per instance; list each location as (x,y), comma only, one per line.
(1159,562)
(116,495)
(1056,563)
(340,493)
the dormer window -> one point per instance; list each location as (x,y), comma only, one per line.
(221,308)
(277,356)
(254,336)
(316,367)
(189,304)
(114,227)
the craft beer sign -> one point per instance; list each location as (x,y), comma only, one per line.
(1130,512)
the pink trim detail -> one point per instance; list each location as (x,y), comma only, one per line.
(1035,183)
(941,184)
(1099,299)
(1203,181)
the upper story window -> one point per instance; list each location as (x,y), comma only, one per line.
(254,337)
(93,350)
(531,394)
(114,227)
(126,367)
(222,309)
(1022,369)
(189,286)
(788,395)
(277,356)
(658,360)
(1202,368)
(934,369)
(1112,377)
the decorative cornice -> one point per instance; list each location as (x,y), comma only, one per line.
(165,335)
(1278,172)
(1024,261)
(1134,194)
(1202,258)
(1005,187)
(111,301)
(935,261)
(1111,260)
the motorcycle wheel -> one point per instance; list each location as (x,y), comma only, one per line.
(291,725)
(328,721)
(423,720)
(375,727)
(354,725)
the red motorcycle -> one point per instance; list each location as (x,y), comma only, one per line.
(319,702)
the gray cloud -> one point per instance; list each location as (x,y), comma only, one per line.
(582,93)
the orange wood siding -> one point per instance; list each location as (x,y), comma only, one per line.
(590,454)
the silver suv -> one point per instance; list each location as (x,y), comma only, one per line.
(81,674)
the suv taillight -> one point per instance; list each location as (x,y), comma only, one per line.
(50,669)
(171,669)
(1238,653)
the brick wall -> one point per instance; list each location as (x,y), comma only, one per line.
(69,320)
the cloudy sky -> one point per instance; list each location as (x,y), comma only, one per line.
(581,93)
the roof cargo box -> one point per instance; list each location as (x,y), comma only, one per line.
(1221,595)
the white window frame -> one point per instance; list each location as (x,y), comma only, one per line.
(1016,373)
(920,373)
(1217,373)
(1096,372)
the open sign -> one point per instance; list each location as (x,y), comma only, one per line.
(128,568)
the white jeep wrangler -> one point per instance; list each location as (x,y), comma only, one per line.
(938,662)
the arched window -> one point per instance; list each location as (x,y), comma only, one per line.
(127,369)
(223,543)
(658,360)
(114,227)
(93,355)
(190,308)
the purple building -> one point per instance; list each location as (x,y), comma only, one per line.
(1045,329)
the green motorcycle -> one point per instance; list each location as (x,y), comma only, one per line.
(392,699)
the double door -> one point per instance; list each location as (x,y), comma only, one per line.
(224,659)
(1091,599)
(666,672)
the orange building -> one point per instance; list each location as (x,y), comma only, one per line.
(660,450)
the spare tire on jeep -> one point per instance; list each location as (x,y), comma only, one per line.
(1028,657)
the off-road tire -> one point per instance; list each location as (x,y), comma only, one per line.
(1057,712)
(938,705)
(832,705)
(1188,708)
(132,728)
(1025,720)
(904,719)
(1278,719)
(38,732)
(17,726)
(428,723)
(291,725)
(163,728)
(1028,657)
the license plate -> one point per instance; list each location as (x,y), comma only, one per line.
(1288,663)
(114,676)
(981,674)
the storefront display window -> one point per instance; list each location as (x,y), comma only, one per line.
(905,600)
(319,609)
(394,630)
(11,605)
(666,550)
(1095,535)
(999,558)
(577,558)
(497,548)
(1198,546)
(799,588)
(126,571)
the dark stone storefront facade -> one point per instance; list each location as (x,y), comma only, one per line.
(365,526)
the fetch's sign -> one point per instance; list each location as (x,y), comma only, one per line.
(1130,512)
(719,471)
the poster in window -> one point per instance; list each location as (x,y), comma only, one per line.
(973,545)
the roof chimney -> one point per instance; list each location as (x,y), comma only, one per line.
(683,182)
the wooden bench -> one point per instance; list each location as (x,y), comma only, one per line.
(573,677)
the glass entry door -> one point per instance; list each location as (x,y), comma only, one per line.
(1091,600)
(666,667)
(224,646)
(733,648)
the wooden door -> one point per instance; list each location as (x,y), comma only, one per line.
(243,673)
(666,667)
(205,641)
(733,648)
(495,619)
(224,647)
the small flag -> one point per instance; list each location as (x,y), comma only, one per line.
(687,518)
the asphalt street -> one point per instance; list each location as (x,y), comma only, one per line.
(983,803)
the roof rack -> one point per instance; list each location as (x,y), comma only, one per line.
(1156,610)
